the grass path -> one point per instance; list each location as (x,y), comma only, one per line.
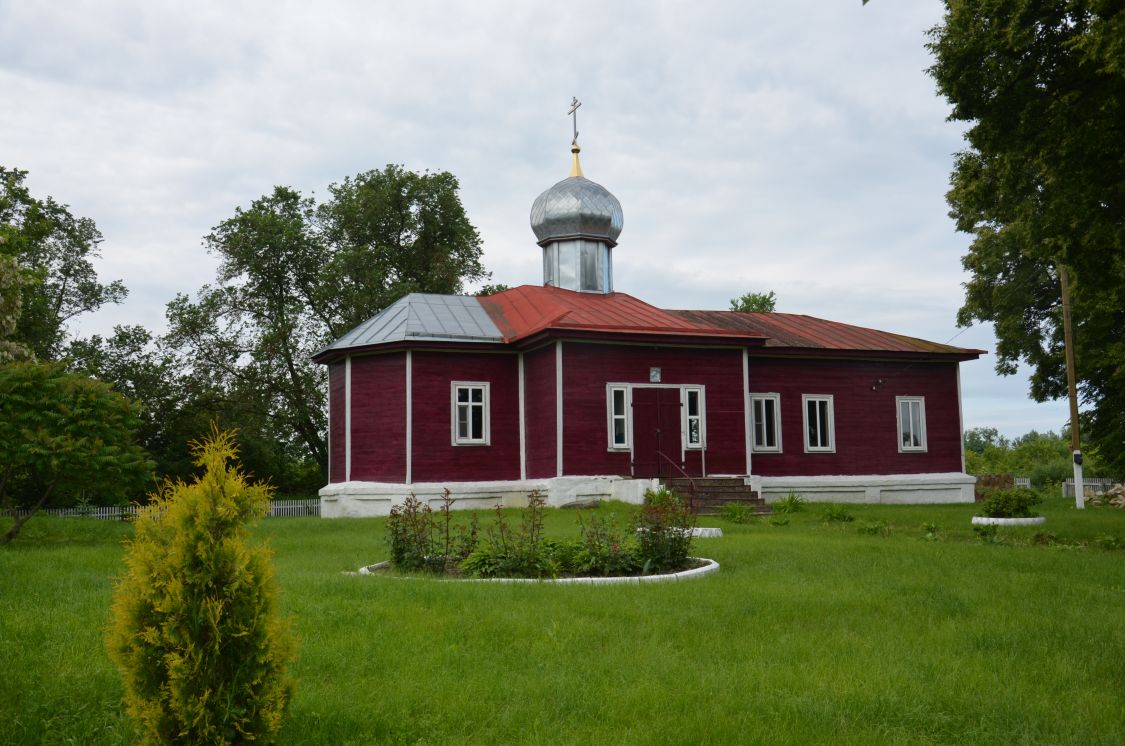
(811,632)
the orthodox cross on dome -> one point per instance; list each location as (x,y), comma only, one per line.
(574,104)
(576,167)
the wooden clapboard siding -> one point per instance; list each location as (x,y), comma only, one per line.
(435,458)
(866,425)
(379,417)
(539,407)
(588,367)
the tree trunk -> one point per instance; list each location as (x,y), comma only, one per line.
(14,531)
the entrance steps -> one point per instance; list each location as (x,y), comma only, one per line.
(708,495)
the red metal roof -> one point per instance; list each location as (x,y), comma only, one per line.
(530,309)
(791,330)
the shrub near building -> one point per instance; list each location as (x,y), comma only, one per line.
(194,629)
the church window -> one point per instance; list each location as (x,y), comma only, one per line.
(819,423)
(694,417)
(911,423)
(618,408)
(470,413)
(766,422)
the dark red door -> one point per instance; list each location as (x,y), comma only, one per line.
(656,432)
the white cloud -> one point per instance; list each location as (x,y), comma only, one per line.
(797,147)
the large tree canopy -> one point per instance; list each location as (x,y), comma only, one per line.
(54,250)
(64,437)
(1042,185)
(294,275)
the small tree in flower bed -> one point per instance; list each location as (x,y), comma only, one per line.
(665,526)
(419,540)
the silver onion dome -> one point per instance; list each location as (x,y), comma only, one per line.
(576,208)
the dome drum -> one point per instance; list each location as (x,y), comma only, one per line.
(578,264)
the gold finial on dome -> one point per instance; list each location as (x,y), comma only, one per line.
(576,167)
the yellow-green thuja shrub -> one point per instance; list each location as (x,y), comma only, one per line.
(195,628)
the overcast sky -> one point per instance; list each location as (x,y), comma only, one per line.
(797,147)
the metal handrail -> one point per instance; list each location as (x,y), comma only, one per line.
(694,489)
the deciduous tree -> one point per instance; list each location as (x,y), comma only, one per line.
(1041,184)
(11,304)
(294,275)
(54,250)
(63,436)
(755,302)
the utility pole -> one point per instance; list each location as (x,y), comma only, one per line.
(1068,341)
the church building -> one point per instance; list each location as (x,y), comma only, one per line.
(585,393)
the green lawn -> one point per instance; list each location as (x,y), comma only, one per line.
(811,632)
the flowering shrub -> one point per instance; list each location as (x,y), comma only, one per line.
(664,531)
(419,540)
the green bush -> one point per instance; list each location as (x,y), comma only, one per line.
(989,534)
(1109,542)
(838,514)
(195,629)
(510,553)
(419,540)
(1015,502)
(736,513)
(874,528)
(664,532)
(791,503)
(605,549)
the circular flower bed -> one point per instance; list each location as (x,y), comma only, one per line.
(703,567)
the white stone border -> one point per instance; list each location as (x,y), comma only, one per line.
(709,567)
(699,532)
(980,520)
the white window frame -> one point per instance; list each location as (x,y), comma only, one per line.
(921,402)
(625,416)
(830,417)
(700,392)
(485,406)
(776,399)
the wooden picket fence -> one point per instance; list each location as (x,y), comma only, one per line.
(278,509)
(1089,485)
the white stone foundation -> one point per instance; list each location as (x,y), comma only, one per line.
(950,487)
(363,499)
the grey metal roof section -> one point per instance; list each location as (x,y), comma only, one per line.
(421,317)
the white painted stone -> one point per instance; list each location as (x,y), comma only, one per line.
(709,567)
(699,532)
(364,499)
(950,487)
(980,520)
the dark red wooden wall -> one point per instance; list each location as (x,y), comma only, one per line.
(866,429)
(866,419)
(539,412)
(588,367)
(379,417)
(435,458)
(336,423)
